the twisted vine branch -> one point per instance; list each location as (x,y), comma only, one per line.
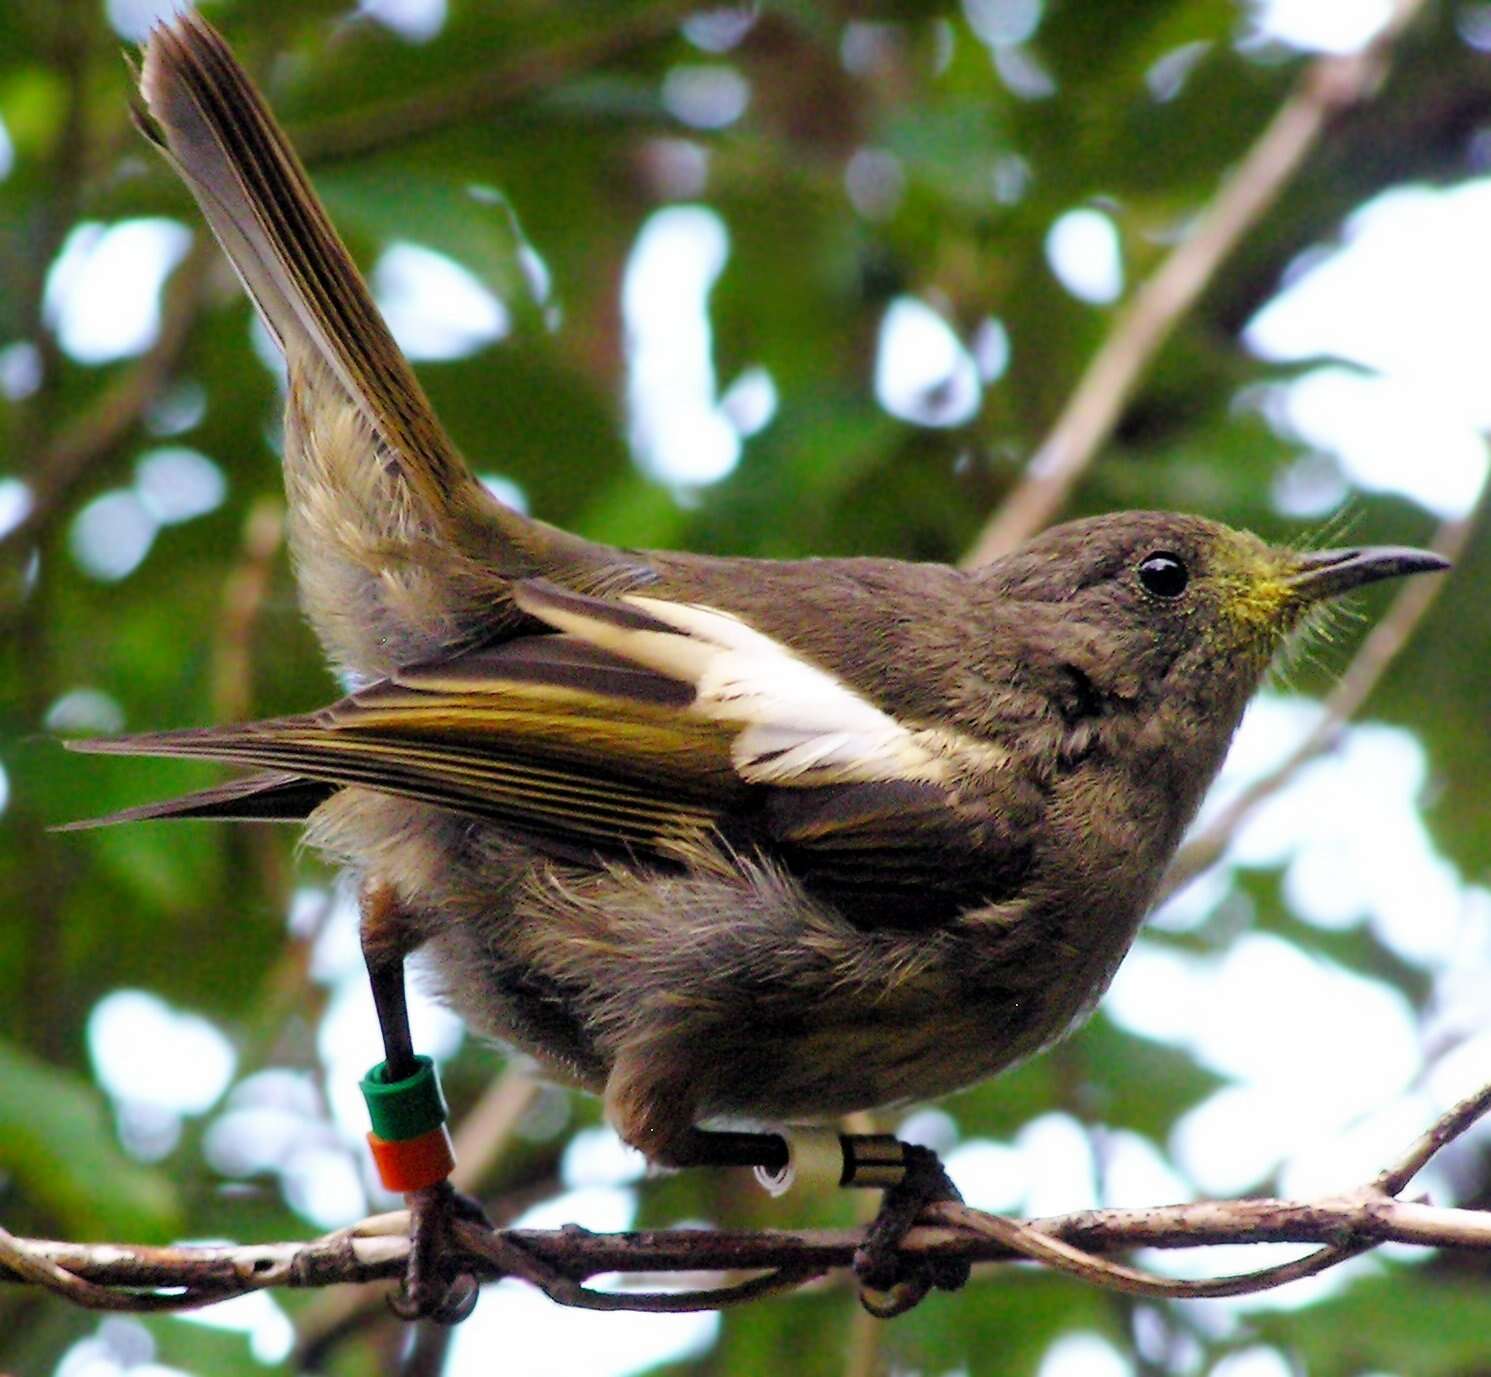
(559,1261)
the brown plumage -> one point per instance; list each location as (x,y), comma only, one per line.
(711,837)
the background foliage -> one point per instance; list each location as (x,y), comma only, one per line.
(560,111)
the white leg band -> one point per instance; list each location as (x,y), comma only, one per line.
(815,1157)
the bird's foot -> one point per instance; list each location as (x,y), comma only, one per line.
(890,1281)
(434,1287)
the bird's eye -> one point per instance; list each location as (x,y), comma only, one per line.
(1163,574)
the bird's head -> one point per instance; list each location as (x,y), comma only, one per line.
(1158,605)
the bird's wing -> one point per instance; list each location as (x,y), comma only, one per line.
(545,734)
(790,722)
(271,796)
(638,726)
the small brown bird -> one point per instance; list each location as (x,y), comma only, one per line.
(713,838)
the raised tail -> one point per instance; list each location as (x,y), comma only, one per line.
(202,110)
(401,553)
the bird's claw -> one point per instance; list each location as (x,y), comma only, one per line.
(892,1282)
(433,1289)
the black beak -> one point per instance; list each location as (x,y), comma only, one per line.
(1320,574)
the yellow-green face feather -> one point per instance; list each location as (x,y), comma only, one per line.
(1257,605)
(1271,595)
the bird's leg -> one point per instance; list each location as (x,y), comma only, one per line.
(912,1177)
(409,1141)
(703,1147)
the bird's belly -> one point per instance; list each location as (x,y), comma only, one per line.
(852,1058)
(839,1069)
(749,998)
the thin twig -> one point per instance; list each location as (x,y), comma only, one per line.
(1355,686)
(509,1255)
(1327,86)
(862,1355)
(557,1260)
(244,593)
(487,1127)
(1031,1241)
(244,597)
(482,93)
(26,1263)
(1449,1126)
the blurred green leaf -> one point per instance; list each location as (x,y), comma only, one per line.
(196,1347)
(1404,1319)
(57,1146)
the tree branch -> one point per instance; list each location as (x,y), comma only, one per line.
(1325,88)
(558,1262)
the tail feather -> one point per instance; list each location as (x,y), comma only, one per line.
(401,554)
(204,113)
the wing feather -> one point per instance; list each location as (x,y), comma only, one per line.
(647,728)
(794,724)
(276,797)
(544,734)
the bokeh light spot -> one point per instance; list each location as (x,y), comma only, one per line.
(144,1050)
(1084,253)
(112,535)
(435,307)
(176,484)
(923,373)
(102,294)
